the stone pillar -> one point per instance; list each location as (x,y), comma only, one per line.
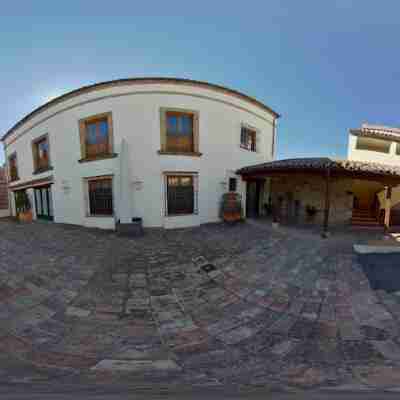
(388,206)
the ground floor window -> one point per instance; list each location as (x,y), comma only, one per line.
(181,194)
(100,196)
(43,202)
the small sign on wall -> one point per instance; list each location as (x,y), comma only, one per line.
(138,185)
(65,186)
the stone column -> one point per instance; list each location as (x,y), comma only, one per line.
(388,206)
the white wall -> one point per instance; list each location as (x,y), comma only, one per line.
(372,156)
(136,118)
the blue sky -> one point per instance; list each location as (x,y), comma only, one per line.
(326,66)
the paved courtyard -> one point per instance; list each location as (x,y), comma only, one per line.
(217,306)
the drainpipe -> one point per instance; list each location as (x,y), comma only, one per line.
(273,139)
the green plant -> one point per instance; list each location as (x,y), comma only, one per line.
(311,210)
(22,202)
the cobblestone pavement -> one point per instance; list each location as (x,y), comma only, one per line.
(240,306)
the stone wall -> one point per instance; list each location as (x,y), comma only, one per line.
(292,194)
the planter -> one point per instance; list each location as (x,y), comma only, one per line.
(25,216)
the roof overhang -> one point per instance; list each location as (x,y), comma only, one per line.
(30,184)
(383,173)
(141,80)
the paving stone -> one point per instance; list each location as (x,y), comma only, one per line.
(136,365)
(77,312)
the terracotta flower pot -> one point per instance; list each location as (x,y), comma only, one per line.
(25,216)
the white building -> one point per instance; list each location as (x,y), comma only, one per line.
(381,145)
(161,149)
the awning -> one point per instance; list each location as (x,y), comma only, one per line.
(384,173)
(29,184)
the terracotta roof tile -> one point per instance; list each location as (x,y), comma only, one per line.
(346,167)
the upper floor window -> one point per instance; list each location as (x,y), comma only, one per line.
(96,135)
(179,132)
(372,144)
(248,139)
(13,168)
(41,154)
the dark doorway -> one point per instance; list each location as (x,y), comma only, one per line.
(253,192)
(44,203)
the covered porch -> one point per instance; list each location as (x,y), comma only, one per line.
(327,192)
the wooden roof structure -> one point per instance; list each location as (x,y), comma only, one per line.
(385,173)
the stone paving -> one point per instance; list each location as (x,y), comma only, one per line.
(217,305)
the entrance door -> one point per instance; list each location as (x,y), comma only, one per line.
(44,203)
(253,198)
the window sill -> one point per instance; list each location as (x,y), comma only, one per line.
(180,215)
(177,153)
(249,150)
(97,158)
(42,170)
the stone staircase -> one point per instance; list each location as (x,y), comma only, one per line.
(364,218)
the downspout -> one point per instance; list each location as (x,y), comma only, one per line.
(273,139)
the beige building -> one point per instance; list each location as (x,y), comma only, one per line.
(375,144)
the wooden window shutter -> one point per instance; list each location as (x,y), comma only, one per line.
(110,133)
(196,132)
(163,129)
(35,154)
(82,137)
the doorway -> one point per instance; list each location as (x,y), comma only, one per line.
(253,192)
(44,203)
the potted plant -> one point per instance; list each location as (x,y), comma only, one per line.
(311,211)
(23,206)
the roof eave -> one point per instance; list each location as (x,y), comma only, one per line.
(143,80)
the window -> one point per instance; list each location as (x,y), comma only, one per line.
(96,134)
(41,154)
(372,144)
(232,184)
(100,196)
(181,194)
(179,132)
(248,139)
(13,168)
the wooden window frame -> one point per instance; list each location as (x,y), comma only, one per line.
(83,131)
(35,153)
(255,133)
(163,131)
(16,178)
(363,145)
(87,195)
(195,181)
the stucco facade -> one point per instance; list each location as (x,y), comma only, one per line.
(138,177)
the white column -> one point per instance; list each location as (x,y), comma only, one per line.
(125,207)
